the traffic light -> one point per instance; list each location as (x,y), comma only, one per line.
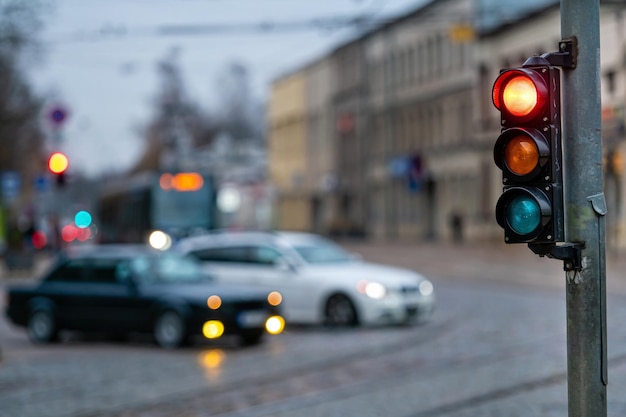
(529,153)
(58,164)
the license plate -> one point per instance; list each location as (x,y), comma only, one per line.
(252,318)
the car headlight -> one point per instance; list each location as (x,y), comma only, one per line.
(426,287)
(372,289)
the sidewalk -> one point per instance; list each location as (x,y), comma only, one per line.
(40,264)
(494,262)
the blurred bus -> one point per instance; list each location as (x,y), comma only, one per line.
(179,204)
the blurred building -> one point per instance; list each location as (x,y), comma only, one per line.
(412,125)
(287,152)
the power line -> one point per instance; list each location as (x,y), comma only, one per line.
(325,24)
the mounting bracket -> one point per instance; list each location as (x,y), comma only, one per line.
(567,55)
(564,58)
(569,253)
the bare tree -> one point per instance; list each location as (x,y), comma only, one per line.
(21,138)
(176,118)
(240,113)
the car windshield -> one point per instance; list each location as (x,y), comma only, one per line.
(321,251)
(169,268)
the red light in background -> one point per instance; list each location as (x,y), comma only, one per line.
(39,240)
(165,181)
(83,234)
(69,233)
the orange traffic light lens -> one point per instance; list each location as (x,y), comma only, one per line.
(521,155)
(58,163)
(520,96)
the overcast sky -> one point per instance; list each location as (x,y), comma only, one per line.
(100,60)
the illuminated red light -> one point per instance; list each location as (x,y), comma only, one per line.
(83,234)
(165,181)
(520,94)
(69,233)
(39,240)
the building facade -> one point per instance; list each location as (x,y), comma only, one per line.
(414,126)
(287,152)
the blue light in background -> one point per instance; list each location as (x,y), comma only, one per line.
(82,219)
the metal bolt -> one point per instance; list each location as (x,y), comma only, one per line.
(562,46)
(543,70)
(549,237)
(545,119)
(547,177)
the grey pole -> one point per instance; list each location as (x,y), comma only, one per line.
(585,210)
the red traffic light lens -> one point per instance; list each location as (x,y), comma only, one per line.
(58,163)
(521,155)
(520,94)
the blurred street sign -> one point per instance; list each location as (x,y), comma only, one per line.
(10,183)
(42,184)
(57,115)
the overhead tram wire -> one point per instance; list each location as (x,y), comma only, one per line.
(360,22)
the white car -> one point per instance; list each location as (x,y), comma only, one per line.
(320,283)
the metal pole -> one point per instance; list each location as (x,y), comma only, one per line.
(585,210)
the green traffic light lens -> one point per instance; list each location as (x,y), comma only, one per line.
(523,214)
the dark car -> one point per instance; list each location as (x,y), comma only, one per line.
(133,289)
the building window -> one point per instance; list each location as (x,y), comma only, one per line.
(420,63)
(609,77)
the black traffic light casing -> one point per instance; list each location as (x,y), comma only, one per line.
(529,153)
(60,179)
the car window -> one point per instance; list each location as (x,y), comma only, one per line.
(87,270)
(232,254)
(169,269)
(264,255)
(70,271)
(103,270)
(322,251)
(123,272)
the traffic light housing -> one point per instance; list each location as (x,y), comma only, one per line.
(529,153)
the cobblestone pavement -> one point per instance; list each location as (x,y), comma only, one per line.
(495,347)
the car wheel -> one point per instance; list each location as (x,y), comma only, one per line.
(170,330)
(340,311)
(42,327)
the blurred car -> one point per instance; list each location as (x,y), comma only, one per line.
(320,282)
(130,288)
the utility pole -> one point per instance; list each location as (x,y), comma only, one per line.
(585,209)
